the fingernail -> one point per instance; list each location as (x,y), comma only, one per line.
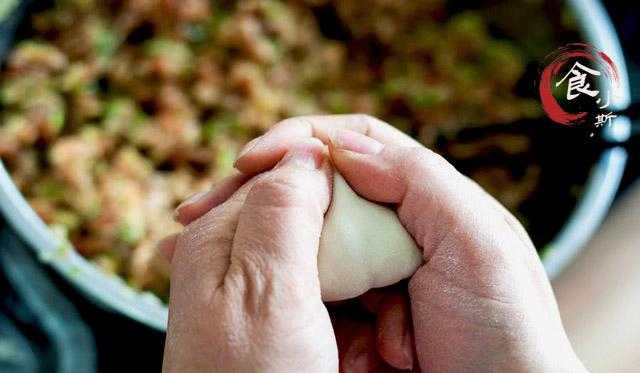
(248,147)
(192,199)
(302,158)
(355,142)
(360,363)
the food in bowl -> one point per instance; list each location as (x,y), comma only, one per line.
(115,111)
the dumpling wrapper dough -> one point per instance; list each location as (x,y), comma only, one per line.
(363,245)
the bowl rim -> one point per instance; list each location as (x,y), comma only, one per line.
(604,180)
(113,293)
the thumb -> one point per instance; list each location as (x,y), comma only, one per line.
(279,227)
(440,207)
(431,195)
(433,198)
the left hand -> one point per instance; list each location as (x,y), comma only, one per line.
(245,294)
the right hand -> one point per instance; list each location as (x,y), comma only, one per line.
(481,302)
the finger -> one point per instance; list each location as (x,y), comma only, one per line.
(201,252)
(167,246)
(264,152)
(360,356)
(199,264)
(278,232)
(394,338)
(432,196)
(198,204)
(356,346)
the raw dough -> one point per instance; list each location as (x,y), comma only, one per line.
(363,245)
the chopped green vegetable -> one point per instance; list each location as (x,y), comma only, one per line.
(130,232)
(51,189)
(105,41)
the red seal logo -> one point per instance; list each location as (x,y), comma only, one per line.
(577,84)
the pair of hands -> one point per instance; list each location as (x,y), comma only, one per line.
(245,294)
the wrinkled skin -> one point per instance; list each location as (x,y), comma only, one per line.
(246,295)
(480,303)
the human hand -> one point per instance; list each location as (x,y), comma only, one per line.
(365,344)
(481,301)
(245,294)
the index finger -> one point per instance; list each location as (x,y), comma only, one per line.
(265,151)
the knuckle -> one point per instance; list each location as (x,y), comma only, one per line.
(424,160)
(368,121)
(287,121)
(214,229)
(279,190)
(293,121)
(365,118)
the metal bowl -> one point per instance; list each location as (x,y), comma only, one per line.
(113,293)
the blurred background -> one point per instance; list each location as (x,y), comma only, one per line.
(114,111)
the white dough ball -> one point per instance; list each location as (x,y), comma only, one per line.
(363,245)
